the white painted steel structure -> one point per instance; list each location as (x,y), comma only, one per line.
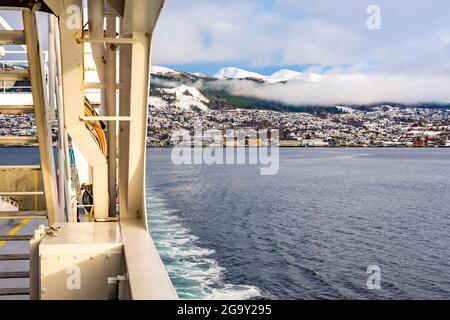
(114,253)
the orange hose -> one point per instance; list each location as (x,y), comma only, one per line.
(89,111)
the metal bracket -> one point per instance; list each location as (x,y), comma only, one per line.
(108,40)
(105,118)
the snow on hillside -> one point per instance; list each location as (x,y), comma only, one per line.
(200,75)
(279,76)
(163,71)
(236,73)
(157,102)
(186,98)
(287,75)
(346,109)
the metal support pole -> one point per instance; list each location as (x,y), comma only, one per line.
(110,84)
(96,15)
(43,131)
(54,103)
(51,69)
(62,134)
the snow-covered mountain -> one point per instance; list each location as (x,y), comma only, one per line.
(163,71)
(236,73)
(289,75)
(279,76)
(200,75)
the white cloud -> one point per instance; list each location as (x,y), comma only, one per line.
(245,31)
(348,89)
(414,36)
(408,60)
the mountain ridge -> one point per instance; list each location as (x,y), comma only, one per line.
(216,90)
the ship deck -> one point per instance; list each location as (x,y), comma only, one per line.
(18,227)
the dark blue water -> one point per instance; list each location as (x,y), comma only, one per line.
(309,232)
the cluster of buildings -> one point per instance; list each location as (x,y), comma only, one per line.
(22,125)
(17,125)
(383,126)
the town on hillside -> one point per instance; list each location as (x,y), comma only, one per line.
(384,126)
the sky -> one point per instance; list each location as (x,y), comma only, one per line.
(406,59)
(327,36)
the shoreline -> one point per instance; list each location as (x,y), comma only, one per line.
(281,147)
(320,147)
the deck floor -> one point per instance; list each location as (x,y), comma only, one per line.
(16,247)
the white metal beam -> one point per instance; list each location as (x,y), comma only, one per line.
(138,23)
(73,92)
(43,130)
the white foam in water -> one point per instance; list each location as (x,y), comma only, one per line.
(194,273)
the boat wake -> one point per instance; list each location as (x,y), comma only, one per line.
(193,270)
